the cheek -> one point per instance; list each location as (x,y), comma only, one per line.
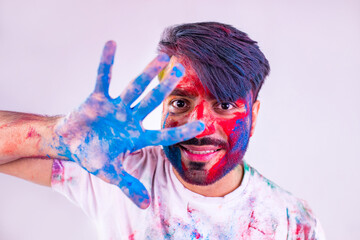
(170,121)
(236,130)
(227,126)
(235,127)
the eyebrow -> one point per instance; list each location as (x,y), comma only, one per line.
(182,93)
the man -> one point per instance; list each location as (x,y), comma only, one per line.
(196,186)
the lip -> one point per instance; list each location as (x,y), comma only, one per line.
(204,153)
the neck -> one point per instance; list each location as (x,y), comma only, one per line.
(220,188)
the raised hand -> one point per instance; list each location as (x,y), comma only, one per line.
(103,129)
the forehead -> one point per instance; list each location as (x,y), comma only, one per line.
(190,84)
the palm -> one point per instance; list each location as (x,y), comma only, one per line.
(103,129)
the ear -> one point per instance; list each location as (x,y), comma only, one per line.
(255,111)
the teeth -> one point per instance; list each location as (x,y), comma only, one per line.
(201,152)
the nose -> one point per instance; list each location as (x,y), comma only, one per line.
(203,113)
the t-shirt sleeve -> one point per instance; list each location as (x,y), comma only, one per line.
(319,231)
(304,224)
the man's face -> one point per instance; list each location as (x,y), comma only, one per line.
(221,147)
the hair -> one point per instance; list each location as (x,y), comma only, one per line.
(227,62)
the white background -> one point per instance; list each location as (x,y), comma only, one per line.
(308,132)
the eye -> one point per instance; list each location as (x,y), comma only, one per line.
(225,106)
(179,106)
(178,103)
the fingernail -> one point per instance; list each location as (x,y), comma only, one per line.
(200,126)
(109,52)
(110,43)
(178,70)
(163,57)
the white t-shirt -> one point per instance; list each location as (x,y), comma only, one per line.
(257,209)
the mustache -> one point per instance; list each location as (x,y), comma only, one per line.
(205,141)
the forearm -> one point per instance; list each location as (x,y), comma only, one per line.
(35,170)
(24,135)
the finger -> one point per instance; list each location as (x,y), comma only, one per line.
(170,136)
(134,190)
(104,70)
(138,85)
(160,92)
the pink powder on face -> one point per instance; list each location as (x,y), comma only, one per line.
(232,127)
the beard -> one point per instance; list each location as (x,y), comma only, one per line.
(206,173)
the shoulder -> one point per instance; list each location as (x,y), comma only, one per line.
(294,212)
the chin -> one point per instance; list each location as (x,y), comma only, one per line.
(205,177)
(198,177)
(202,173)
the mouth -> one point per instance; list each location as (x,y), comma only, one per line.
(204,153)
